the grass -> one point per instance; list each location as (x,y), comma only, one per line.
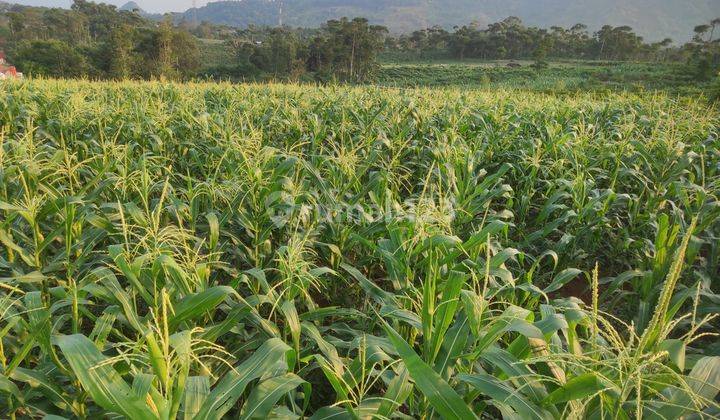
(274,250)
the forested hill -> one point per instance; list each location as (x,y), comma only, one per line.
(654,19)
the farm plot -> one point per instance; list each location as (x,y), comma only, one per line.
(221,251)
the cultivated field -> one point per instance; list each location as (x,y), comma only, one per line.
(249,251)
(569,76)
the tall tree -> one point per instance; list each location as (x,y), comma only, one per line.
(348,48)
(185,53)
(119,52)
(704,51)
(164,52)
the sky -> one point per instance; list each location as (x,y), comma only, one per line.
(153,6)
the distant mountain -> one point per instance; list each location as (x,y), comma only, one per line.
(654,19)
(131,6)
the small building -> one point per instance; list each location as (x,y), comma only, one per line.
(6,70)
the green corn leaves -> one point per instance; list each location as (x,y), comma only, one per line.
(199,304)
(101,380)
(576,388)
(441,395)
(504,395)
(233,384)
(108,389)
(266,394)
(209,251)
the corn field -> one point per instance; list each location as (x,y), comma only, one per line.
(208,251)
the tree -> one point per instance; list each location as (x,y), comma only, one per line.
(282,52)
(659,49)
(347,48)
(102,18)
(102,39)
(51,58)
(715,90)
(185,53)
(704,51)
(543,49)
(511,39)
(119,52)
(713,25)
(460,42)
(163,51)
(279,52)
(618,43)
(701,30)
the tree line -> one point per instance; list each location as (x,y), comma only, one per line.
(99,41)
(703,52)
(511,39)
(343,49)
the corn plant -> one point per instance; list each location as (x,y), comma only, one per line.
(218,251)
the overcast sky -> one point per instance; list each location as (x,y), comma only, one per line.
(155,6)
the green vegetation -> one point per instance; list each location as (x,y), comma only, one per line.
(342,49)
(215,250)
(556,77)
(101,42)
(510,38)
(654,19)
(704,50)
(504,222)
(97,41)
